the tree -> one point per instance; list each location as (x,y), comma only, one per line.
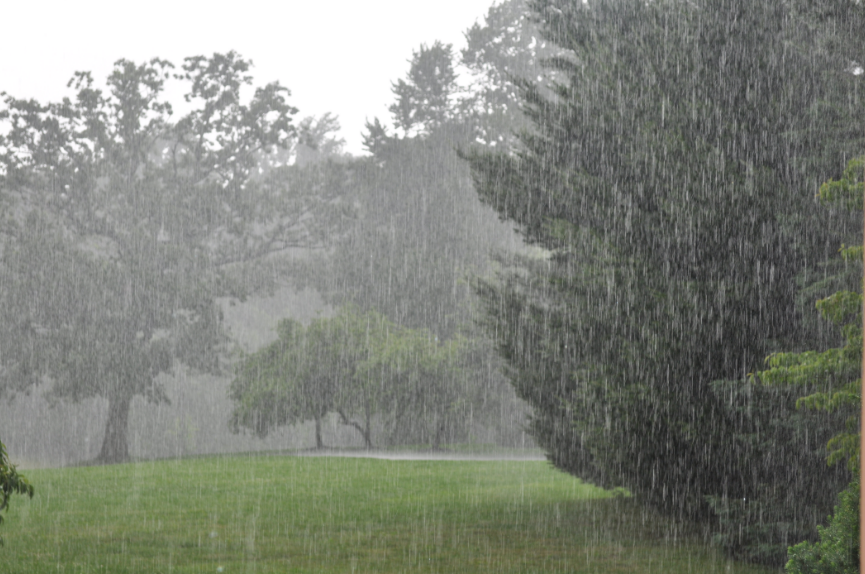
(420,223)
(423,99)
(426,388)
(11,482)
(419,237)
(674,215)
(318,140)
(366,370)
(282,384)
(128,227)
(836,372)
(508,45)
(421,231)
(419,234)
(837,551)
(308,373)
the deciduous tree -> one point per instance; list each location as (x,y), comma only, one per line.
(366,370)
(128,224)
(423,99)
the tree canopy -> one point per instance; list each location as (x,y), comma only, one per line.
(668,178)
(836,373)
(126,226)
(369,372)
(423,99)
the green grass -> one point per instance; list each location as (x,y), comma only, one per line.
(296,514)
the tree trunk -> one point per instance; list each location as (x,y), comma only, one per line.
(437,439)
(366,433)
(114,445)
(318,442)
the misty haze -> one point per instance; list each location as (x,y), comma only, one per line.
(588,300)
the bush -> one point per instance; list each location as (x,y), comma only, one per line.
(10,482)
(837,550)
(781,490)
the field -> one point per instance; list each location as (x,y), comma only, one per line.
(299,514)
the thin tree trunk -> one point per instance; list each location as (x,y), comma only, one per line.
(368,434)
(318,442)
(437,439)
(114,445)
(364,432)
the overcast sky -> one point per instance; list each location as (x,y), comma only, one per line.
(339,55)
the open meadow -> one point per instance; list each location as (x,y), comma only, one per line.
(337,514)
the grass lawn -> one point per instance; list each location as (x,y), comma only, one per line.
(298,514)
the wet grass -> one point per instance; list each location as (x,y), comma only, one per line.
(267,514)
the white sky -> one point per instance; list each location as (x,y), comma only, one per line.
(339,55)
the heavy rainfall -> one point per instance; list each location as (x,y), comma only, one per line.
(589,300)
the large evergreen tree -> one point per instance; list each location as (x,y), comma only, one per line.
(670,180)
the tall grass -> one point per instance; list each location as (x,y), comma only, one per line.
(297,514)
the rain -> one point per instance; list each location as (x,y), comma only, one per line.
(574,286)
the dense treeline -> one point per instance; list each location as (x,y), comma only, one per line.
(420,234)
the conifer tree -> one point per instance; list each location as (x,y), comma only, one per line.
(669,181)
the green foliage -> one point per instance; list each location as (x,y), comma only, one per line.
(768,519)
(836,372)
(847,192)
(420,233)
(366,370)
(768,436)
(836,369)
(307,373)
(11,482)
(127,226)
(674,214)
(837,551)
(264,380)
(506,45)
(423,99)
